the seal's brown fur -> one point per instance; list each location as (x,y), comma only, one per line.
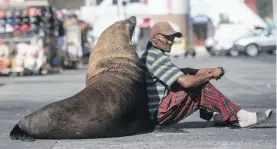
(112,104)
(114,54)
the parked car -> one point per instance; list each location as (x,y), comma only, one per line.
(255,43)
(224,37)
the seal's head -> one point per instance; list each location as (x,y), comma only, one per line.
(114,50)
(119,33)
(131,24)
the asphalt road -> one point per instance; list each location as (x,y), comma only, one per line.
(249,82)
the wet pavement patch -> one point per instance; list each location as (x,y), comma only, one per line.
(2,84)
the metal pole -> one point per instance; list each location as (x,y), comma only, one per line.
(274,11)
(189,25)
(120,8)
(124,9)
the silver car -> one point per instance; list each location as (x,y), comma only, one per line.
(255,43)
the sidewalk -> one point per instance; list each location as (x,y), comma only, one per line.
(245,85)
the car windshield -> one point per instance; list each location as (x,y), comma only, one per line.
(272,31)
(269,31)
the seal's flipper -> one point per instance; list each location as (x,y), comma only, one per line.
(18,134)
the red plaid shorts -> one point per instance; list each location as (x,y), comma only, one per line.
(181,103)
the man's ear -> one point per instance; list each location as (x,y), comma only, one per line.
(154,39)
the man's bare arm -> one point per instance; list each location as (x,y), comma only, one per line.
(188,81)
(205,70)
(193,71)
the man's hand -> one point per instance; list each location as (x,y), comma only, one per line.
(201,77)
(218,72)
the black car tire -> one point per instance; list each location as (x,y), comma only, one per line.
(252,50)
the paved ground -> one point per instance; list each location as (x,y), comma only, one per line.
(249,82)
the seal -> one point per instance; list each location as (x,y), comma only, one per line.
(113,103)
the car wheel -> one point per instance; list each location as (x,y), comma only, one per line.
(233,52)
(252,50)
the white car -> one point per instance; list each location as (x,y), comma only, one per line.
(224,37)
(254,44)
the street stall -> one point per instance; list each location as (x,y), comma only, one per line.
(23,46)
(72,42)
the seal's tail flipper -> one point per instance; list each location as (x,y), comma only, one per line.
(18,134)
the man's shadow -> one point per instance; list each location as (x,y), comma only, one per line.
(193,125)
(182,126)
